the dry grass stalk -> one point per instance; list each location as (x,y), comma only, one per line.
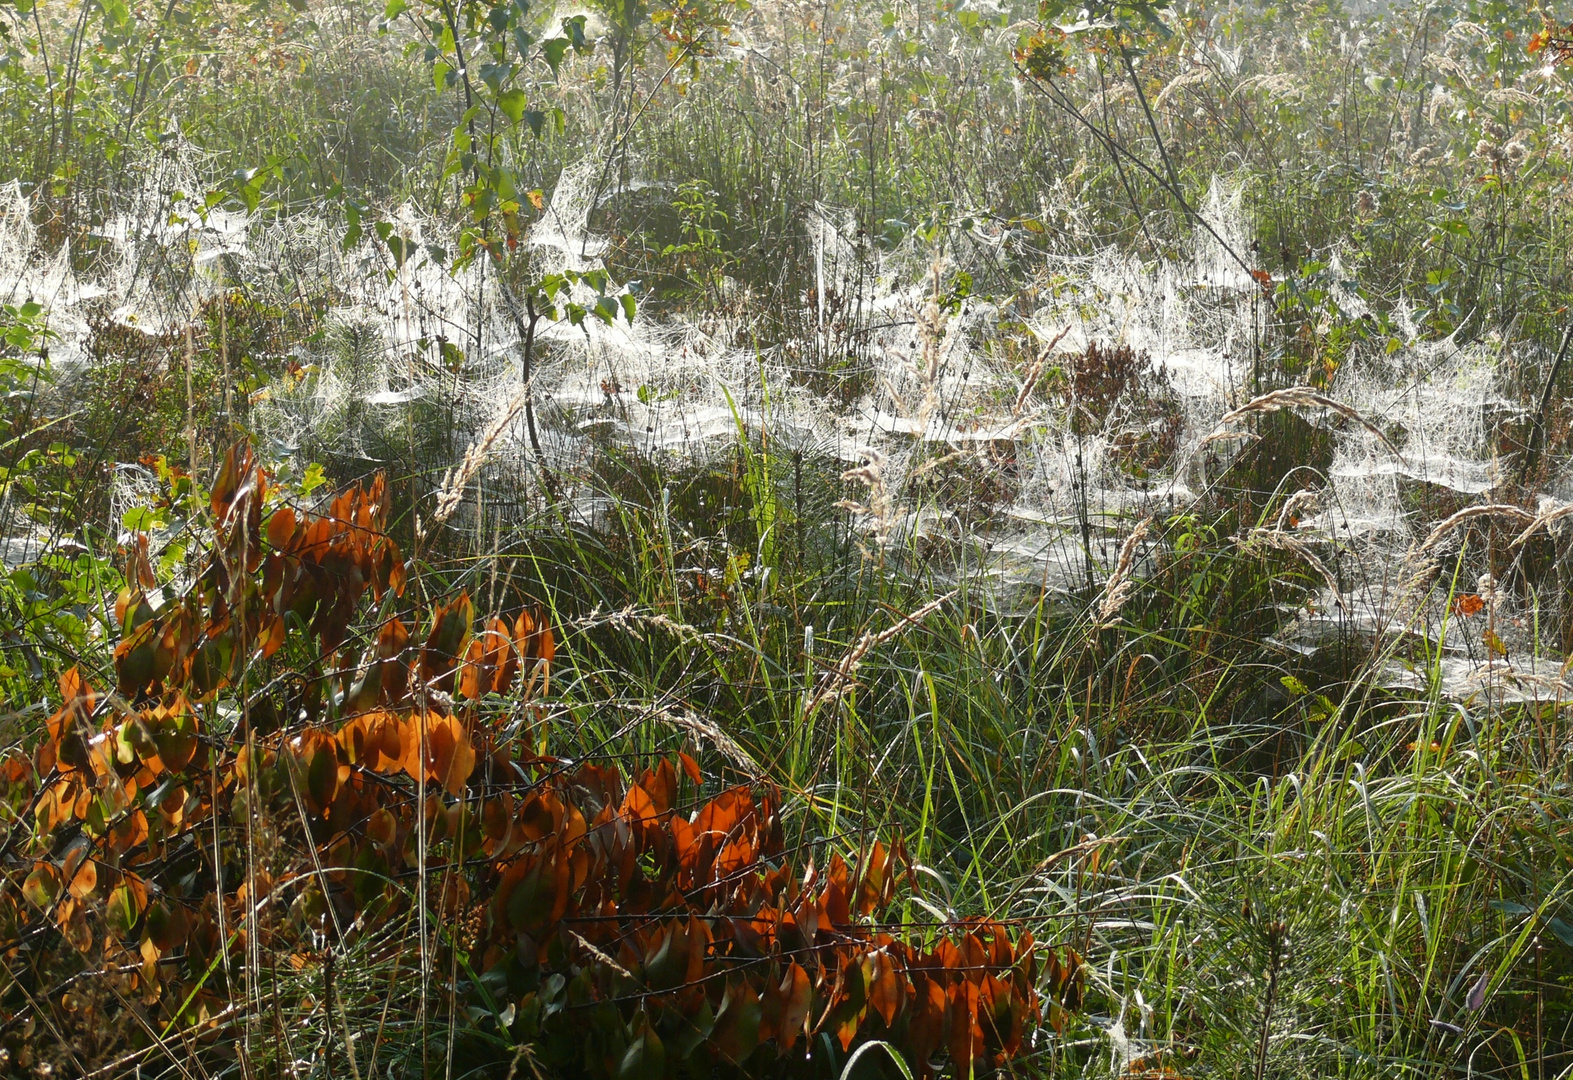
(1471,513)
(1117,590)
(1419,568)
(871,474)
(839,679)
(629,619)
(589,946)
(1303,397)
(1031,378)
(1544,521)
(458,478)
(934,463)
(1225,436)
(1293,505)
(1279,540)
(936,333)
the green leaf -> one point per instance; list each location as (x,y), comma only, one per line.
(645,1058)
(554,50)
(536,120)
(629,306)
(512,103)
(122,911)
(139,519)
(352,229)
(494,75)
(736,1030)
(313,479)
(395,8)
(41,886)
(573,30)
(397,245)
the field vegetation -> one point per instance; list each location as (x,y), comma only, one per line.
(785,539)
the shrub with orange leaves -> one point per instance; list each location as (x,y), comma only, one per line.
(184,832)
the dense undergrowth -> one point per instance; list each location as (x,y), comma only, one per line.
(1208,804)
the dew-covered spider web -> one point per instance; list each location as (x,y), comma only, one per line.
(1021,465)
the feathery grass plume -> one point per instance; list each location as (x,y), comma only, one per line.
(836,682)
(628,619)
(1194,77)
(871,474)
(1543,521)
(1117,590)
(454,482)
(1277,539)
(1472,513)
(710,731)
(1303,397)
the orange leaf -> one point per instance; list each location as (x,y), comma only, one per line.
(450,630)
(450,755)
(691,767)
(281,529)
(886,995)
(796,994)
(85,880)
(1467,604)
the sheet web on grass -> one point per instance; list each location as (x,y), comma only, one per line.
(1023,465)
